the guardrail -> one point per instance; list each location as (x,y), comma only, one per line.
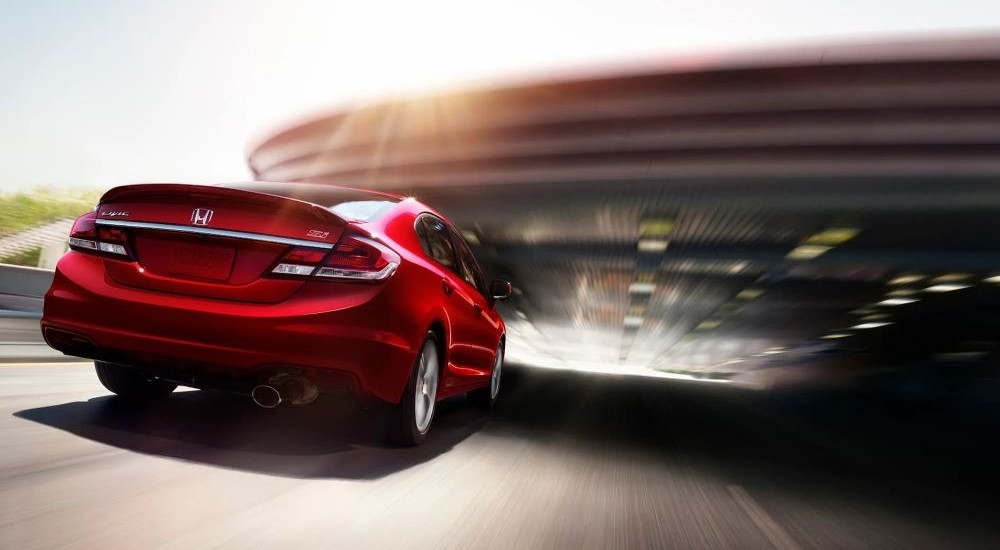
(22,289)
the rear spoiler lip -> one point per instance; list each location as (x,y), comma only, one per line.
(140,190)
(196,230)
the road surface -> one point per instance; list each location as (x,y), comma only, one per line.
(567,461)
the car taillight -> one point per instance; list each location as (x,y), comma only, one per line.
(299,261)
(87,237)
(354,258)
(360,258)
(112,241)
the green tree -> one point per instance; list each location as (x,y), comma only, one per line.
(23,210)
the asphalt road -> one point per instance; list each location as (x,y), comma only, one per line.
(567,461)
(21,340)
(19,327)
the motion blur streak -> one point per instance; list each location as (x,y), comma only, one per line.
(797,252)
(691,218)
(568,461)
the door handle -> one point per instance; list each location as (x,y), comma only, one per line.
(448,289)
(476,309)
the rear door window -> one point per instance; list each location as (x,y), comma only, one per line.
(436,242)
(468,267)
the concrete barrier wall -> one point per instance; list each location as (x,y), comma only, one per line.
(22,288)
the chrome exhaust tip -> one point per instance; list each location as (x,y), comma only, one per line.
(284,388)
(266,396)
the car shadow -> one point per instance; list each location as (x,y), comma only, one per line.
(327,439)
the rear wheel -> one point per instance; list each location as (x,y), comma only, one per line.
(487,397)
(411,418)
(131,384)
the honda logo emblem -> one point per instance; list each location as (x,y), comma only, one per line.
(201,216)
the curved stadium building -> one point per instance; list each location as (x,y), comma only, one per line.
(689,218)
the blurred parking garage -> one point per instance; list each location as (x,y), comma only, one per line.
(725,219)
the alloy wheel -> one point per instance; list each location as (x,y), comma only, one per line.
(426,387)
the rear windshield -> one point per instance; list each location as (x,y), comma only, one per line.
(356,205)
(361,211)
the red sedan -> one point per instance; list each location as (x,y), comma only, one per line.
(281,291)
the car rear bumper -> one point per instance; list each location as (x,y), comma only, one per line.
(327,335)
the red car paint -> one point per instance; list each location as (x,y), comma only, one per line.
(182,282)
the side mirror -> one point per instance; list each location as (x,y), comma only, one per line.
(500,290)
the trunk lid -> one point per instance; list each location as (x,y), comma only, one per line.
(211,241)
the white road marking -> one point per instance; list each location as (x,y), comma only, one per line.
(774,532)
(46,363)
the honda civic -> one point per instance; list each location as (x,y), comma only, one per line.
(281,291)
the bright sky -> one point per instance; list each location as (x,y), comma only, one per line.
(102,92)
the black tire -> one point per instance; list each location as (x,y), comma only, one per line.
(486,398)
(403,426)
(132,384)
